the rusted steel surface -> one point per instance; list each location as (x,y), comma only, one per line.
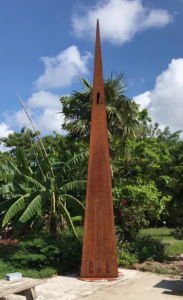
(99,258)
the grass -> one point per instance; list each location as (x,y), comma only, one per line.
(163,271)
(176,247)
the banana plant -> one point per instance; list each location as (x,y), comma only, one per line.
(37,196)
(29,195)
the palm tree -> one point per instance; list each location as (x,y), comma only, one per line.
(122,113)
(123,117)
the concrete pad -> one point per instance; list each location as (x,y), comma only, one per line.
(134,285)
(70,288)
(148,287)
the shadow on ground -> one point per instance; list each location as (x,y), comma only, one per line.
(173,287)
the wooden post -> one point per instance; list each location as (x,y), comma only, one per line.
(30,294)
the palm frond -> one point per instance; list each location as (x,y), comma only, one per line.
(80,126)
(86,84)
(110,136)
(118,82)
(111,110)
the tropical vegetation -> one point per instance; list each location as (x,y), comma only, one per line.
(43,180)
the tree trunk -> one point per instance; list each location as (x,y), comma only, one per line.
(53,222)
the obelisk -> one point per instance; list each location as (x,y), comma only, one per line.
(99,258)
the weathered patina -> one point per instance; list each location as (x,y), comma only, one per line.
(99,258)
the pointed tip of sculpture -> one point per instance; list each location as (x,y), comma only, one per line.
(97,30)
(97,24)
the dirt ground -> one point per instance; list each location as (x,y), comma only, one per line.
(172,267)
(7,242)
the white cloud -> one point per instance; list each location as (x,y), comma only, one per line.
(43,99)
(165,101)
(120,20)
(50,121)
(62,69)
(43,108)
(4,132)
(143,99)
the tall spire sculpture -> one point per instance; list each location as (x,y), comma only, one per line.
(99,257)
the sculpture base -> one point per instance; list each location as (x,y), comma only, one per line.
(120,276)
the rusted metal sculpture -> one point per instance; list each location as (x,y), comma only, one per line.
(99,258)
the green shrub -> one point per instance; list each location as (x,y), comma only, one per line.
(149,248)
(178,233)
(43,253)
(125,258)
(141,249)
(124,254)
(44,273)
(6,268)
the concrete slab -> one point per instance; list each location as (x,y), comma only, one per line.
(148,287)
(134,285)
(70,288)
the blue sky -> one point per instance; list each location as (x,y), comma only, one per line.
(45,45)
